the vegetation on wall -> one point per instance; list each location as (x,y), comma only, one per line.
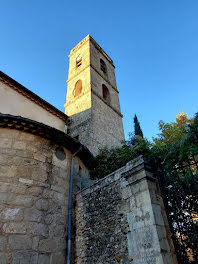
(176,142)
(109,160)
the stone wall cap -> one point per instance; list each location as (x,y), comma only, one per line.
(134,164)
(32,96)
(47,132)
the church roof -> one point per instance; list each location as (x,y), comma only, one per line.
(32,96)
(54,135)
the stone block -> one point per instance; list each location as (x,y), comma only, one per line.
(3,242)
(30,162)
(19,145)
(3,258)
(14,214)
(126,192)
(24,153)
(60,189)
(39,175)
(20,242)
(47,245)
(40,157)
(26,257)
(13,199)
(158,214)
(9,133)
(16,161)
(35,243)
(61,243)
(143,240)
(59,163)
(26,181)
(132,202)
(169,258)
(56,219)
(142,199)
(7,171)
(161,230)
(27,137)
(34,146)
(4,159)
(164,245)
(52,245)
(31,214)
(63,173)
(14,228)
(9,151)
(44,259)
(57,231)
(140,217)
(42,204)
(59,198)
(48,193)
(35,191)
(5,143)
(24,172)
(38,229)
(58,258)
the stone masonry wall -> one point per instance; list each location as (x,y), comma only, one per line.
(101,227)
(34,189)
(121,219)
(93,119)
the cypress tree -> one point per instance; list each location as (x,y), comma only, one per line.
(137,128)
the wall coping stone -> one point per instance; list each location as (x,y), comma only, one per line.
(132,167)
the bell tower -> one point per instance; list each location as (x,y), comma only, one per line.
(92,101)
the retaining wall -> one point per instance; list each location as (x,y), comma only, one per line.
(121,219)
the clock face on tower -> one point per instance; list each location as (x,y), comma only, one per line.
(78,61)
(79,58)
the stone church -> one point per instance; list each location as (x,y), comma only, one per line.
(45,154)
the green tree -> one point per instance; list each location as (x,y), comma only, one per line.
(137,128)
(170,146)
(175,143)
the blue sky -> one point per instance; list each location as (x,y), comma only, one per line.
(153,43)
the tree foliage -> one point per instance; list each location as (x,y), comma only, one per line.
(109,160)
(137,128)
(176,142)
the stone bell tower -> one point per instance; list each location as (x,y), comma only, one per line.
(92,101)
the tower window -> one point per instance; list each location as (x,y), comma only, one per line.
(78,88)
(78,61)
(103,66)
(105,93)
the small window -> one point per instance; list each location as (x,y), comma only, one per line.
(103,66)
(60,153)
(105,93)
(78,88)
(78,61)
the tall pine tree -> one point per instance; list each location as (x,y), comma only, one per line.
(137,128)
